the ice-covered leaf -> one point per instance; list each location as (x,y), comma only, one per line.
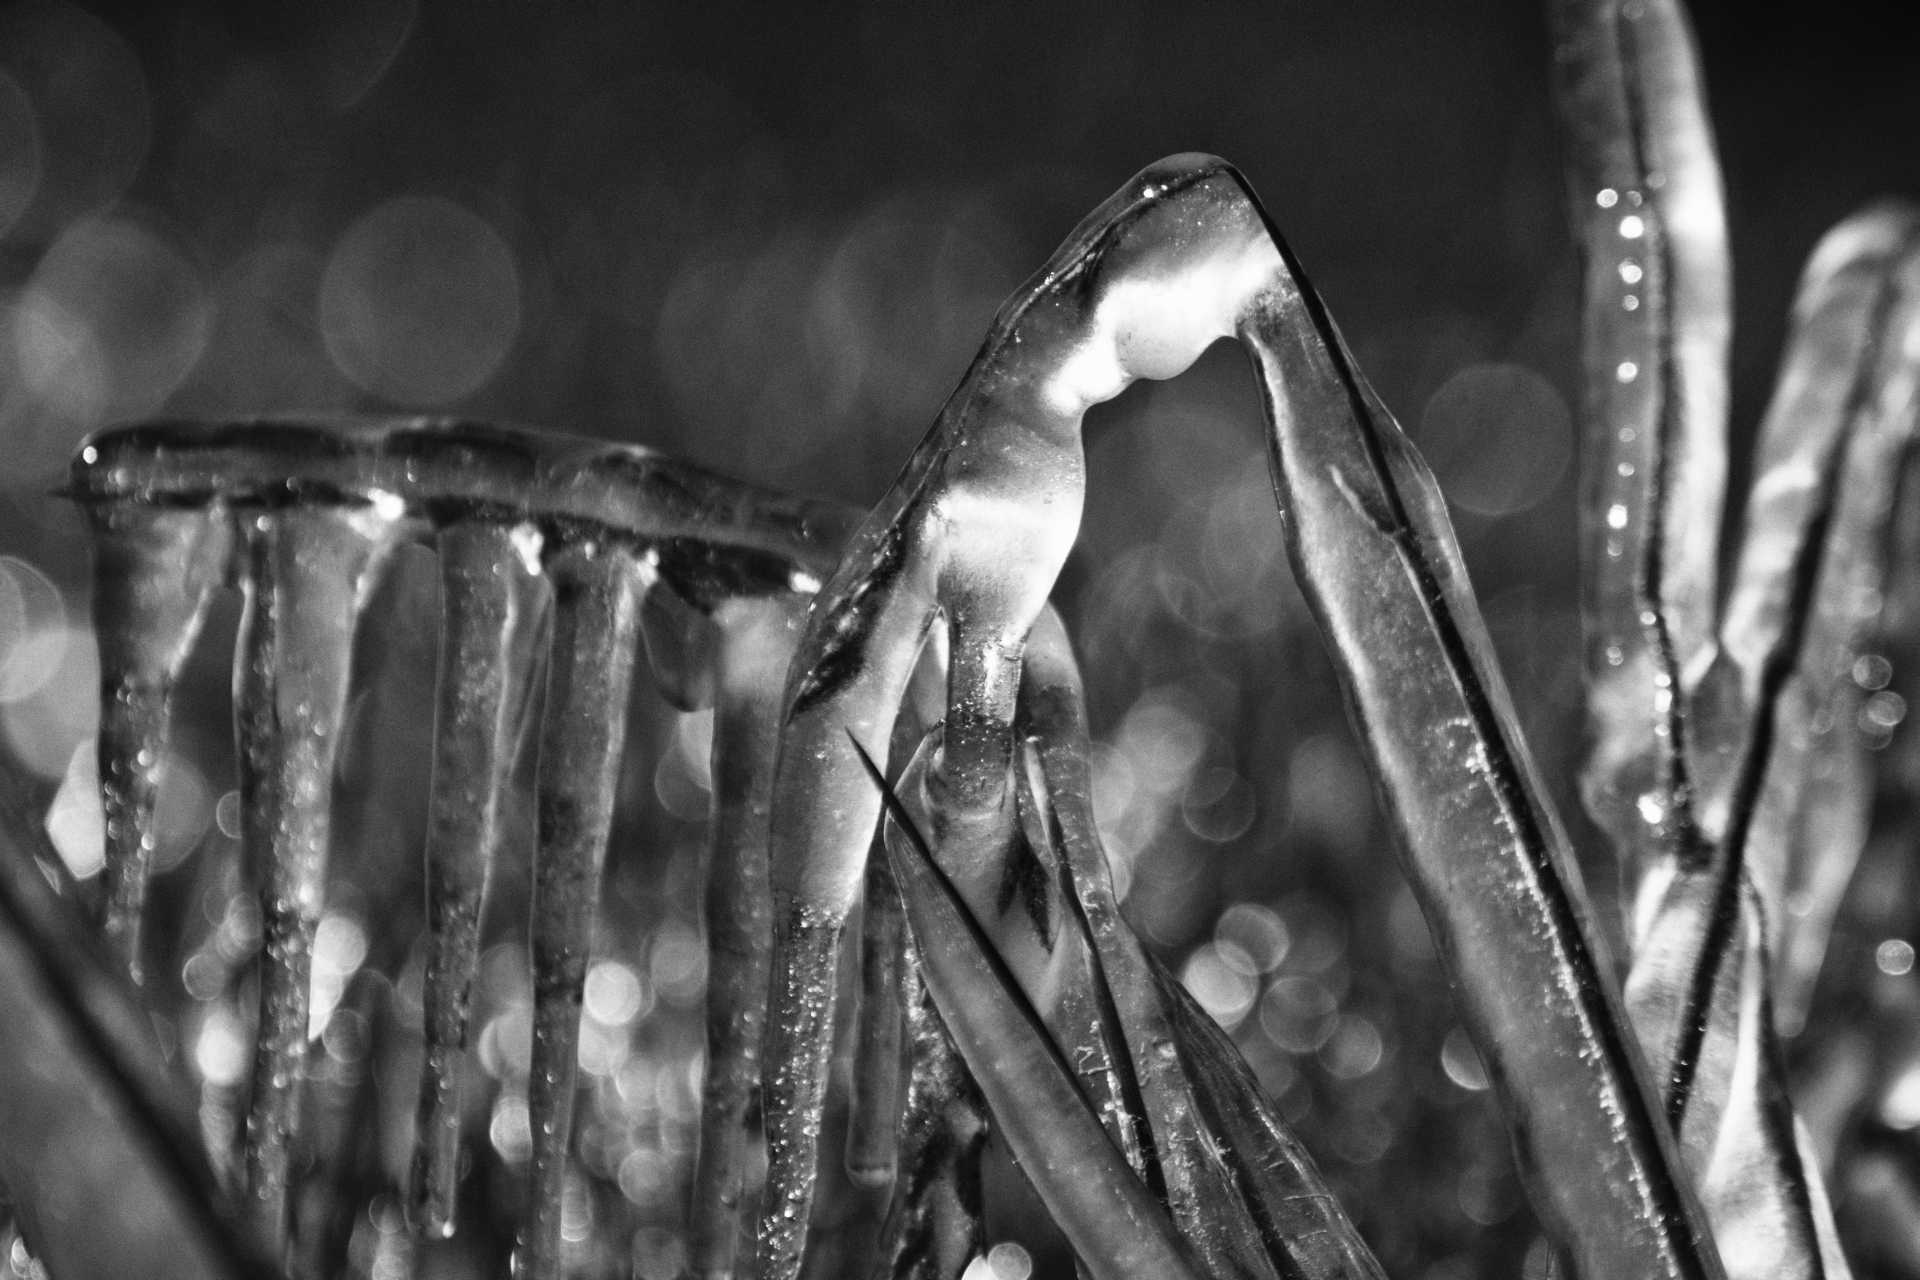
(1649,223)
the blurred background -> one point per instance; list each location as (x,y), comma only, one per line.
(769,239)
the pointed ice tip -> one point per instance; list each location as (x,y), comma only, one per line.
(895,809)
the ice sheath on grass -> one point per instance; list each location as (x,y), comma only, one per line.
(975,531)
(1723,761)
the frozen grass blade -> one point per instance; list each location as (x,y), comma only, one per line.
(976,529)
(933,1228)
(1115,1226)
(306,573)
(490,607)
(1812,573)
(596,591)
(1761,1187)
(1706,765)
(1827,382)
(1649,222)
(154,569)
(1202,1106)
(1777,810)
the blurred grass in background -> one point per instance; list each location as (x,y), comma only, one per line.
(769,241)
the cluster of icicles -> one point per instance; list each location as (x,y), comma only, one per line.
(556,556)
(992,952)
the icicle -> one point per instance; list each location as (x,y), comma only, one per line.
(1649,220)
(751,642)
(596,599)
(490,606)
(154,569)
(977,528)
(305,573)
(879,1060)
(888,987)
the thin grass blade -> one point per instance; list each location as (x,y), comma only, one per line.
(1198,1119)
(1115,1226)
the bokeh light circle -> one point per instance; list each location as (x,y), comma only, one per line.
(19,152)
(1498,436)
(420,301)
(111,322)
(93,119)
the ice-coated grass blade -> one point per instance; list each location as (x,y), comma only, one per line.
(1783,805)
(1114,1224)
(1200,1107)
(305,573)
(596,592)
(154,569)
(1650,226)
(1811,576)
(976,529)
(1369,540)
(1762,1192)
(489,605)
(1715,753)
(933,1228)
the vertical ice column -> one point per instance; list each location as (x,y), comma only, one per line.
(879,1076)
(490,609)
(596,592)
(305,573)
(153,570)
(754,636)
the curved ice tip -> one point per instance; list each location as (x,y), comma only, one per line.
(1161,180)
(1877,230)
